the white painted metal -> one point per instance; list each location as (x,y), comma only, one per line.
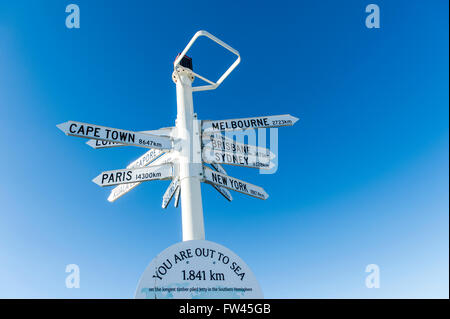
(217,141)
(132,175)
(222,191)
(97,144)
(189,170)
(213,156)
(249,123)
(177,197)
(170,191)
(219,168)
(122,189)
(211,85)
(233,183)
(109,134)
(146,159)
(183,161)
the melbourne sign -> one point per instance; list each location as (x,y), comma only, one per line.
(249,123)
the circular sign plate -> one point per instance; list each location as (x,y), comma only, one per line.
(198,269)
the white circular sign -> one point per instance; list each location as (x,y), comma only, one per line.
(198,269)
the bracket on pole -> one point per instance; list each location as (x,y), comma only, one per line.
(212,85)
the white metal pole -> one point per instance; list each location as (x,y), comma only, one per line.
(190,168)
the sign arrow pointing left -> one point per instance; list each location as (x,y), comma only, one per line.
(149,161)
(97,144)
(122,176)
(173,187)
(115,135)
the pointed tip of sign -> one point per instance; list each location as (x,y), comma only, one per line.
(62,126)
(294,119)
(112,197)
(91,143)
(97,179)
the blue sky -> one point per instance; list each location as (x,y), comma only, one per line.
(362,177)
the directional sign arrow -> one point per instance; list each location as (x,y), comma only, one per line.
(219,142)
(249,123)
(173,187)
(219,168)
(121,176)
(122,189)
(146,159)
(223,191)
(142,161)
(213,156)
(114,135)
(177,197)
(97,144)
(234,184)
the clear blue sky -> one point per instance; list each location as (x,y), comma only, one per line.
(363,176)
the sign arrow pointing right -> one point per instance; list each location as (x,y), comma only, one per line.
(97,144)
(233,183)
(249,123)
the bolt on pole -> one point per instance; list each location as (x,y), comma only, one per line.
(189,164)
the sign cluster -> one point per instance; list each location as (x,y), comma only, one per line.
(191,153)
(159,163)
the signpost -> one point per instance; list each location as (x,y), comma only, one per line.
(114,135)
(218,168)
(142,161)
(180,153)
(133,175)
(233,184)
(173,187)
(249,123)
(122,189)
(213,156)
(221,143)
(223,191)
(97,144)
